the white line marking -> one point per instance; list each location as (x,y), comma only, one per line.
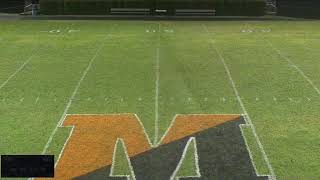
(62,150)
(157,85)
(20,68)
(17,71)
(246,115)
(248,148)
(242,126)
(64,146)
(37,99)
(128,160)
(84,74)
(144,131)
(294,66)
(174,174)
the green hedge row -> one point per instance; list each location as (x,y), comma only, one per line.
(101,7)
(94,7)
(53,7)
(241,7)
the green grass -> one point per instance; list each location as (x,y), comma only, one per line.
(282,104)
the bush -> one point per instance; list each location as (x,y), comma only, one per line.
(101,7)
(53,7)
(241,7)
(86,7)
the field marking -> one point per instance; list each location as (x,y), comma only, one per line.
(246,115)
(84,74)
(157,85)
(34,52)
(191,139)
(18,70)
(141,125)
(290,62)
(37,99)
(64,146)
(174,174)
(127,157)
(241,126)
(73,127)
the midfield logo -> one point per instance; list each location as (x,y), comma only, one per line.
(219,150)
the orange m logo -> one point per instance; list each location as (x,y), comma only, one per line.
(89,151)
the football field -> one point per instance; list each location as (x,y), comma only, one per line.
(57,72)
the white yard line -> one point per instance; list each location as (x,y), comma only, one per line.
(290,62)
(84,74)
(246,115)
(157,85)
(20,68)
(17,71)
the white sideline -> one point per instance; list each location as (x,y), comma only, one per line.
(84,74)
(294,66)
(246,115)
(157,84)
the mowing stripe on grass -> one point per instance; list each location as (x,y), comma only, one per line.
(84,74)
(247,119)
(156,103)
(290,62)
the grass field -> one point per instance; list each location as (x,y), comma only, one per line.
(267,70)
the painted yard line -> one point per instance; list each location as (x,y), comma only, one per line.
(34,51)
(242,126)
(157,85)
(84,74)
(291,63)
(17,71)
(248,119)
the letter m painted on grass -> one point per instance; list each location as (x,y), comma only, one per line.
(220,150)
